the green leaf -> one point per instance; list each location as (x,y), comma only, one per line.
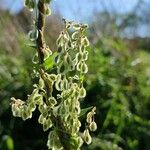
(85,110)
(49,62)
(7,143)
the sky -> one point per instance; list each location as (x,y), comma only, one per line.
(78,10)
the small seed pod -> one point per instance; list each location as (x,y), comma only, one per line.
(30,4)
(60,40)
(41,83)
(84,68)
(75,129)
(79,66)
(52,101)
(76,77)
(74,62)
(78,123)
(75,35)
(42,107)
(77,26)
(63,110)
(62,68)
(53,141)
(57,59)
(58,85)
(38,99)
(85,26)
(50,141)
(85,55)
(32,106)
(24,115)
(68,59)
(85,41)
(89,119)
(79,56)
(16,112)
(45,114)
(33,34)
(65,84)
(78,109)
(48,11)
(82,48)
(80,142)
(60,49)
(52,77)
(87,137)
(47,52)
(41,119)
(82,92)
(13,107)
(67,102)
(93,126)
(26,2)
(47,124)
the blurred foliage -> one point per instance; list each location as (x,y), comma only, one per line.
(119,86)
(118,83)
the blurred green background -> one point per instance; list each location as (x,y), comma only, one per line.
(118,81)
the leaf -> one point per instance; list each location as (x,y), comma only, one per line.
(7,143)
(49,62)
(85,110)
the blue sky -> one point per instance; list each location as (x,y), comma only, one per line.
(79,10)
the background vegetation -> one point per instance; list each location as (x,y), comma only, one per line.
(118,81)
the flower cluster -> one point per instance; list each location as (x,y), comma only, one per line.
(67,82)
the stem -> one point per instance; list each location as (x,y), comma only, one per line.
(40,26)
(63,136)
